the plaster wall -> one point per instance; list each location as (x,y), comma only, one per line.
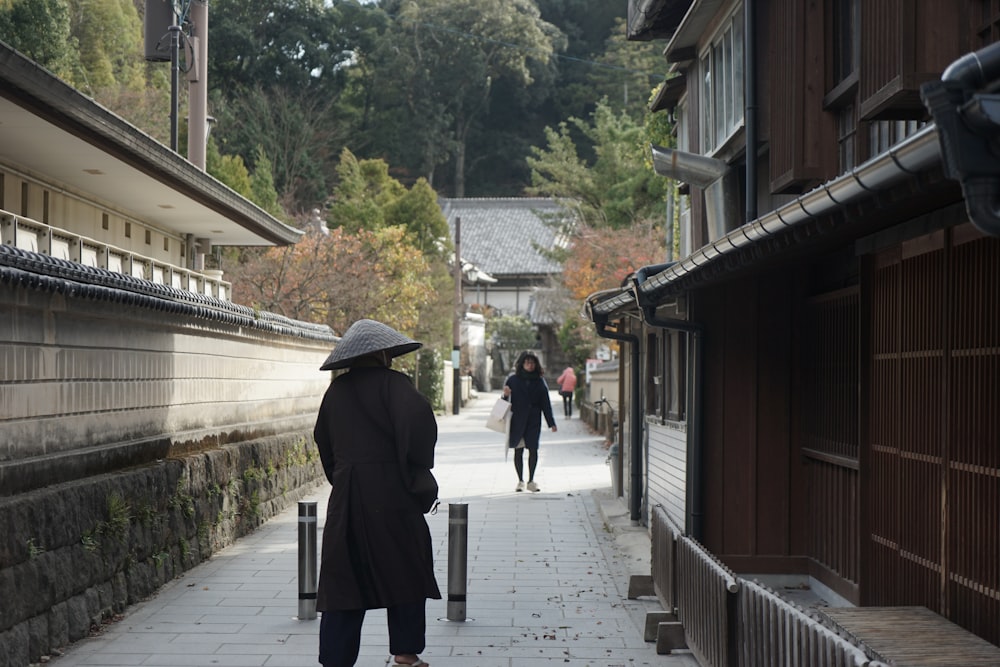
(88,385)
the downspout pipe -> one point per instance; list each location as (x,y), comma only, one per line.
(635,415)
(750,101)
(968,124)
(694,502)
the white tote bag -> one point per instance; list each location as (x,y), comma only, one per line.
(497,420)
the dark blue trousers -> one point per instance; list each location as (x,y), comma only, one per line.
(340,633)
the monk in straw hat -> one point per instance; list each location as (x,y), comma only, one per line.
(376,437)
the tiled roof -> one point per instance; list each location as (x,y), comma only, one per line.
(499,235)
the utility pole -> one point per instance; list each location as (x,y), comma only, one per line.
(456,328)
(197,76)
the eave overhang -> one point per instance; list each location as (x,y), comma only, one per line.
(684,40)
(52,132)
(654,19)
(910,158)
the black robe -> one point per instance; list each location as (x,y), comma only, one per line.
(375,433)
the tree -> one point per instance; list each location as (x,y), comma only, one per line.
(109,35)
(625,72)
(577,338)
(510,335)
(617,186)
(440,62)
(40,29)
(368,198)
(602,257)
(337,278)
(278,76)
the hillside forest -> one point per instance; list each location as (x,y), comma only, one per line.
(349,119)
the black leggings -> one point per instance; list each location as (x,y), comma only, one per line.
(567,403)
(519,463)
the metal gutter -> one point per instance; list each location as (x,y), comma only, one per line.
(915,154)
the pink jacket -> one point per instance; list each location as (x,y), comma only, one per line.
(567,381)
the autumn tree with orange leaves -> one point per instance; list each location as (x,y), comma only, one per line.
(381,253)
(601,258)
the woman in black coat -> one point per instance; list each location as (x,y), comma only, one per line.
(376,436)
(529,400)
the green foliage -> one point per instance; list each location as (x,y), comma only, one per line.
(280,74)
(514,333)
(628,71)
(417,210)
(109,35)
(430,376)
(254,474)
(262,184)
(438,65)
(119,517)
(182,500)
(40,29)
(577,339)
(614,188)
(145,513)
(229,169)
(364,192)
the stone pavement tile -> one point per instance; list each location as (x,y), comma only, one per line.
(545,583)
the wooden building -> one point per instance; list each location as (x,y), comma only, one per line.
(811,388)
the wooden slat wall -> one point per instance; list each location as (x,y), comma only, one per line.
(905,43)
(668,469)
(881,43)
(786,115)
(973,426)
(905,417)
(829,417)
(802,137)
(833,518)
(934,487)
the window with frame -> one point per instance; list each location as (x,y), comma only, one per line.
(722,85)
(666,375)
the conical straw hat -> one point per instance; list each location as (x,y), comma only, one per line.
(365,337)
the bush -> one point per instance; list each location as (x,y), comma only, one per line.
(430,377)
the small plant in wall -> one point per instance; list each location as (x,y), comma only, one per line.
(119,517)
(34,550)
(181,500)
(89,541)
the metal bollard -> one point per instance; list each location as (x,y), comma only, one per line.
(307,560)
(458,550)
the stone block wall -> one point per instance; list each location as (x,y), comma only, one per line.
(76,555)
